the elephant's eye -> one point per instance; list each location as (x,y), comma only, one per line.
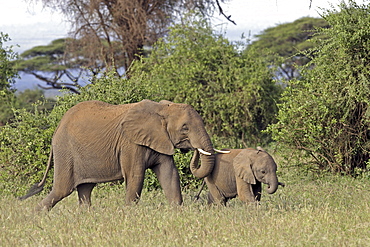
(185,128)
(263,171)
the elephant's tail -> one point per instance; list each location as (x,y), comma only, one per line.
(197,197)
(38,187)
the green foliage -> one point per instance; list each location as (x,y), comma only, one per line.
(26,98)
(232,90)
(23,100)
(25,149)
(7,75)
(7,72)
(327,113)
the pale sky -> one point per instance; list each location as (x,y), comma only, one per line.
(29,25)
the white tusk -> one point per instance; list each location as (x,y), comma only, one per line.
(203,152)
(221,151)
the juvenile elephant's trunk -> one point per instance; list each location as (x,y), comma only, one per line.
(206,167)
(272,185)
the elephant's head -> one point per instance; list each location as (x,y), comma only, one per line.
(165,126)
(252,165)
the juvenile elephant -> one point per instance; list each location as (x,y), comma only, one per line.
(98,142)
(239,172)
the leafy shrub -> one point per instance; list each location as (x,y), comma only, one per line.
(24,149)
(23,100)
(327,113)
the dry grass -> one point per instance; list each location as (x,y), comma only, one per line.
(330,211)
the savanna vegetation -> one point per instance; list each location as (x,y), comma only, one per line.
(316,125)
(310,211)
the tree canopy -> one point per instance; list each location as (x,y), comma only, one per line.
(110,33)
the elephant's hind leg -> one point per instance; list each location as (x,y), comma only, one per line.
(53,198)
(84,193)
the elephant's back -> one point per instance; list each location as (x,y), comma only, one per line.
(228,157)
(94,110)
(89,118)
(94,106)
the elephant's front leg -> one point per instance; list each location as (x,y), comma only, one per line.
(133,171)
(169,179)
(134,186)
(245,191)
(257,189)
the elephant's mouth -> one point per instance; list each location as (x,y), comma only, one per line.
(183,144)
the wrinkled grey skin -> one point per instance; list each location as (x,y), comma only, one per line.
(97,142)
(240,173)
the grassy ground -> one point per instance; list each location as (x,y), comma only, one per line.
(309,211)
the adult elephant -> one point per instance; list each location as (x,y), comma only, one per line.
(98,142)
(239,173)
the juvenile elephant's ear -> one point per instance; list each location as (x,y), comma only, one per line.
(143,125)
(243,167)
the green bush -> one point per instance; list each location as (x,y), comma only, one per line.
(23,100)
(327,114)
(24,149)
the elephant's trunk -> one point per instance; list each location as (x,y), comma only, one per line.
(272,185)
(207,163)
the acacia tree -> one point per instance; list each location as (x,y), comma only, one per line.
(50,64)
(289,41)
(111,33)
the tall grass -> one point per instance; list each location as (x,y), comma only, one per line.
(309,211)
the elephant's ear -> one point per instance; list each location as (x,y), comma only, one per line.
(243,167)
(143,125)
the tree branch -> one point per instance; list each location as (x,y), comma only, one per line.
(56,86)
(222,13)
